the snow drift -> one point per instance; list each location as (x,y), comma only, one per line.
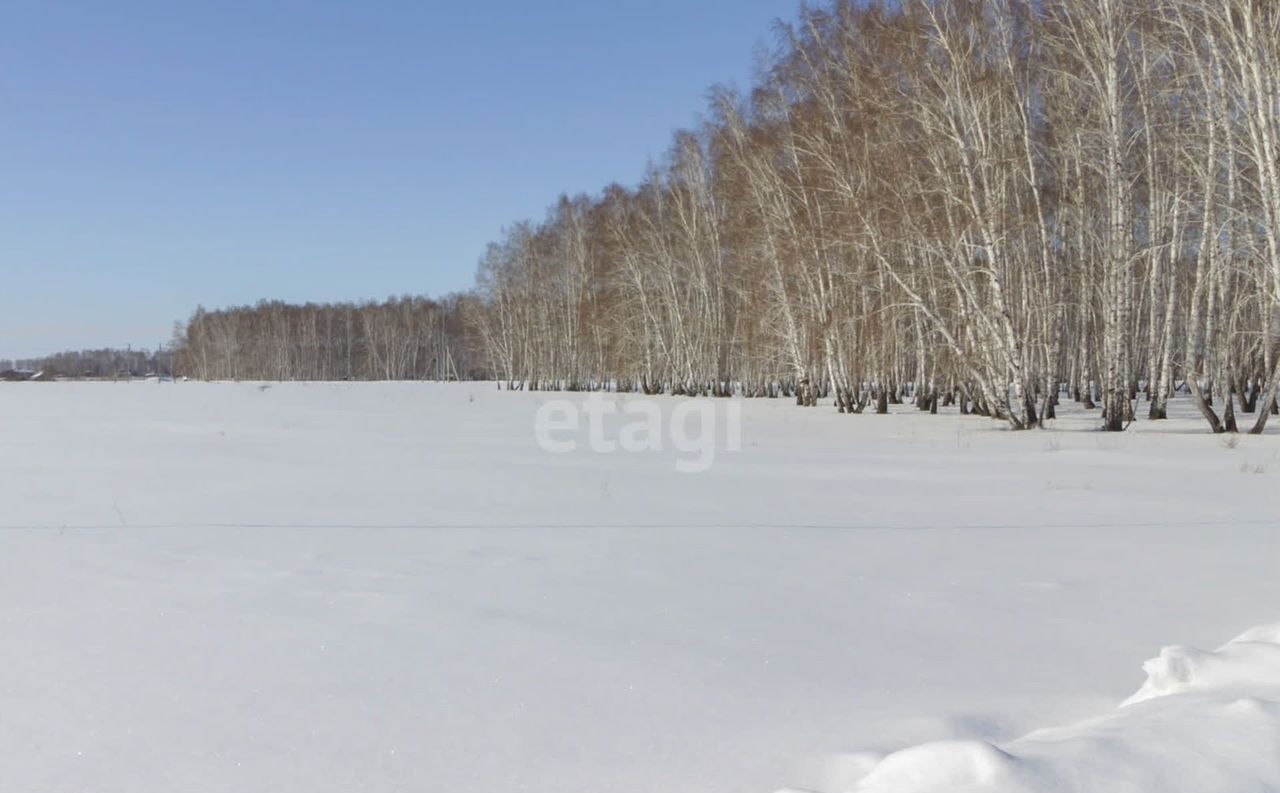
(1203,721)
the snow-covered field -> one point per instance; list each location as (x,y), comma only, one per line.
(391,587)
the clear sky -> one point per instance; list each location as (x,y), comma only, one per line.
(155,156)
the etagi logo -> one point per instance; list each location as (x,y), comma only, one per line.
(694,428)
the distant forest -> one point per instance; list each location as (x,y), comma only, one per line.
(989,203)
(105,363)
(407,338)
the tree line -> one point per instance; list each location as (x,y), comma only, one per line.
(994,204)
(985,202)
(97,364)
(404,338)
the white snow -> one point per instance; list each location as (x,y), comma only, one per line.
(1203,721)
(324,587)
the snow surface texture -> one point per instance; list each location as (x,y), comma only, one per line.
(1203,721)
(334,588)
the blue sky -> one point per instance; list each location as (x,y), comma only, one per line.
(155,156)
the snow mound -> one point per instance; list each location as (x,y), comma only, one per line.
(1251,660)
(1202,721)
